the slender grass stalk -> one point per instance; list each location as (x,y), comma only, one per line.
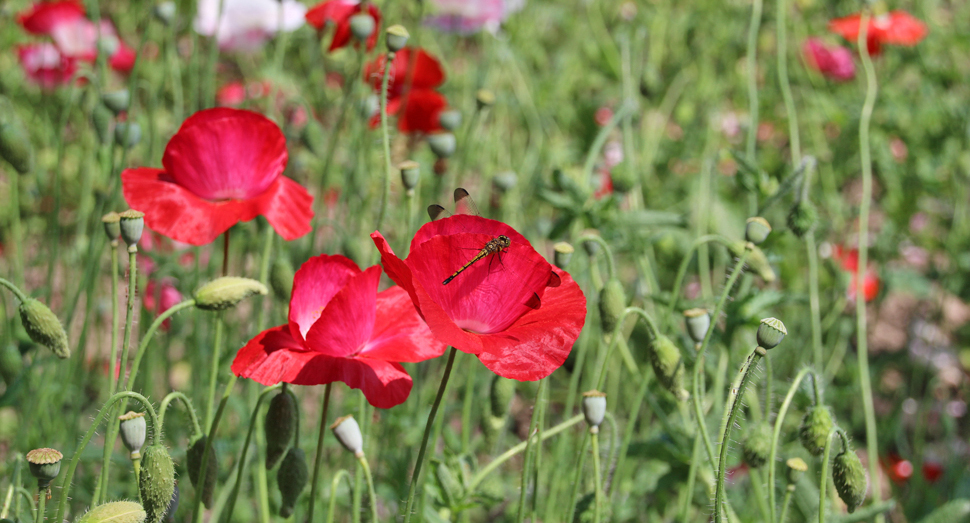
(231,504)
(597,477)
(370,488)
(685,262)
(198,507)
(823,479)
(577,479)
(214,371)
(416,475)
(781,36)
(691,479)
(615,337)
(318,460)
(625,109)
(751,67)
(526,466)
(143,346)
(776,433)
(466,408)
(209,98)
(386,141)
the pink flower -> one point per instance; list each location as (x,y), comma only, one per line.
(833,62)
(245,25)
(74,35)
(471,16)
(43,17)
(45,66)
(160,297)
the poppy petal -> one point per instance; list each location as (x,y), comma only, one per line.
(315,283)
(421,110)
(42,17)
(288,207)
(904,29)
(346,322)
(399,333)
(269,357)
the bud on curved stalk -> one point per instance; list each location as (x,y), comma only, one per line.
(698,322)
(668,366)
(281,277)
(102,120)
(223,293)
(314,138)
(815,428)
(850,479)
(756,230)
(802,218)
(133,430)
(44,328)
(756,261)
(564,254)
(484,98)
(280,426)
(11,363)
(45,464)
(594,408)
(156,482)
(112,225)
(115,512)
(796,467)
(292,479)
(362,25)
(505,181)
(348,434)
(396,38)
(443,145)
(611,303)
(450,119)
(771,332)
(15,146)
(193,461)
(500,396)
(410,174)
(127,134)
(117,101)
(756,445)
(132,226)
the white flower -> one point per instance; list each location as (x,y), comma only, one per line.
(245,25)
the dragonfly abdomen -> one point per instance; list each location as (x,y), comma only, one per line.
(481,254)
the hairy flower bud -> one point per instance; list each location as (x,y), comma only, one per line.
(594,407)
(756,445)
(443,145)
(44,328)
(771,332)
(132,226)
(802,218)
(291,479)
(815,428)
(397,38)
(115,512)
(612,302)
(223,293)
(133,430)
(193,461)
(757,261)
(156,482)
(849,477)
(668,366)
(44,464)
(280,426)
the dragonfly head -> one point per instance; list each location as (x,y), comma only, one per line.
(504,241)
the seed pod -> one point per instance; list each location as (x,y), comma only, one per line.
(802,218)
(500,395)
(292,479)
(756,261)
(165,12)
(156,482)
(133,431)
(756,230)
(756,445)
(450,119)
(44,328)
(112,225)
(668,366)
(15,147)
(815,428)
(443,145)
(564,254)
(484,98)
(132,226)
(127,134)
(115,512)
(849,477)
(698,322)
(117,101)
(594,407)
(612,302)
(397,38)
(362,26)
(226,292)
(348,434)
(796,467)
(313,138)
(102,120)
(11,363)
(280,427)
(410,174)
(193,461)
(771,332)
(44,464)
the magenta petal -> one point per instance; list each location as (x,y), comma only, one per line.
(288,207)
(316,282)
(399,332)
(348,318)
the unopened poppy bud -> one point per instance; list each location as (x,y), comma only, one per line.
(156,482)
(850,479)
(443,145)
(668,366)
(796,467)
(564,253)
(45,464)
(11,363)
(500,395)
(115,512)
(348,434)
(43,327)
(698,322)
(362,26)
(756,260)
(133,432)
(313,137)
(397,38)
(450,119)
(193,462)
(756,230)
(101,119)
(815,428)
(291,479)
(112,225)
(594,407)
(165,12)
(802,218)
(127,134)
(15,147)
(281,278)
(484,98)
(612,302)
(505,181)
(410,174)
(117,101)
(226,292)
(451,488)
(173,504)
(756,445)
(132,225)
(771,332)
(623,179)
(280,426)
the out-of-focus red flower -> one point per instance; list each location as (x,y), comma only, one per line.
(422,104)
(606,185)
(74,35)
(341,329)
(338,13)
(222,167)
(491,309)
(43,17)
(849,261)
(833,62)
(932,471)
(160,297)
(897,468)
(894,28)
(233,94)
(603,116)
(45,66)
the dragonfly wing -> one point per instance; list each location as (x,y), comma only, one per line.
(436,211)
(464,203)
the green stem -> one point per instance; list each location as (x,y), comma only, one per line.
(386,140)
(25,494)
(597,478)
(781,27)
(577,479)
(786,503)
(691,479)
(197,508)
(751,67)
(318,460)
(685,262)
(210,77)
(416,475)
(654,332)
(823,480)
(605,247)
(773,451)
(14,289)
(526,466)
(187,403)
(214,371)
(115,318)
(466,408)
(143,346)
(370,488)
(813,299)
(332,510)
(245,450)
(41,500)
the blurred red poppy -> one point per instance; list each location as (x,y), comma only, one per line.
(833,62)
(491,309)
(45,66)
(222,167)
(160,297)
(74,35)
(43,17)
(338,13)
(932,471)
(894,28)
(849,260)
(422,104)
(341,329)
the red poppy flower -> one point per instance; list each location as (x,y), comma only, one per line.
(932,471)
(422,104)
(43,17)
(45,66)
(833,62)
(895,28)
(223,166)
(490,309)
(339,12)
(341,329)
(897,468)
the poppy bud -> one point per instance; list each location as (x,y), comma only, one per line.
(594,407)
(815,428)
(292,479)
(223,293)
(115,512)
(133,431)
(127,134)
(281,277)
(102,118)
(313,137)
(756,445)
(451,488)
(612,302)
(362,26)
(280,426)
(15,147)
(397,38)
(11,363)
(484,98)
(623,179)
(443,145)
(410,174)
(505,181)
(698,322)
(132,225)
(44,328)
(117,101)
(849,477)
(771,332)
(348,434)
(667,366)
(802,218)
(500,395)
(756,230)
(173,504)
(193,461)
(156,482)
(450,119)
(796,467)
(45,464)
(564,253)
(112,225)
(165,12)
(756,261)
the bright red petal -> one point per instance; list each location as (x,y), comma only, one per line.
(421,111)
(337,11)
(427,72)
(271,357)
(123,60)
(904,29)
(399,332)
(316,282)
(42,17)
(346,322)
(287,206)
(847,27)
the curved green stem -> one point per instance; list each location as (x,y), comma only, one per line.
(597,478)
(14,289)
(245,449)
(685,262)
(526,466)
(616,336)
(318,459)
(143,345)
(332,510)
(386,140)
(197,507)
(187,403)
(24,493)
(610,264)
(776,432)
(370,487)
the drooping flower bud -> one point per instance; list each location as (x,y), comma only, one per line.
(362,25)
(101,119)
(156,482)
(484,98)
(564,253)
(771,332)
(112,225)
(505,181)
(500,396)
(11,363)
(594,407)
(756,230)
(698,322)
(117,101)
(165,12)
(115,512)
(281,277)
(443,145)
(223,293)
(591,247)
(15,146)
(127,134)
(280,426)
(291,479)
(611,303)
(450,119)
(410,174)
(44,328)
(815,428)
(850,479)
(796,467)
(133,432)
(668,366)
(132,225)
(756,260)
(45,465)
(756,445)
(397,38)
(802,218)
(193,461)
(348,434)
